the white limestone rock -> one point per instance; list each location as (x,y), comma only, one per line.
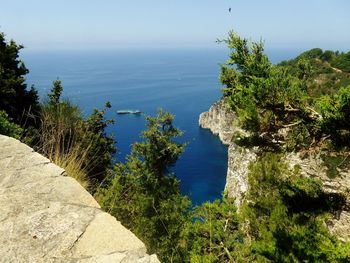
(46,216)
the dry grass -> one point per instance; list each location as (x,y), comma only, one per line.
(63,139)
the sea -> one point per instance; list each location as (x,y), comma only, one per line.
(184,82)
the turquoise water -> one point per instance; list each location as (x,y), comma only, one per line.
(184,82)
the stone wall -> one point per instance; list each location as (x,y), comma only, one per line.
(46,216)
(221,121)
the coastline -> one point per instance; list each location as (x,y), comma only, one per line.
(221,122)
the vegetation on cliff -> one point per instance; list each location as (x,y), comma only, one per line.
(277,103)
(79,145)
(282,110)
(281,220)
(145,195)
(56,128)
(327,71)
(15,99)
(299,105)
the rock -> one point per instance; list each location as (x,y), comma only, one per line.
(219,120)
(222,122)
(108,243)
(239,159)
(46,216)
(340,227)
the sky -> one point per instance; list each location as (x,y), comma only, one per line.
(113,24)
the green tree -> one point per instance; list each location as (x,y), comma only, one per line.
(213,235)
(15,99)
(55,93)
(265,97)
(281,219)
(285,214)
(145,195)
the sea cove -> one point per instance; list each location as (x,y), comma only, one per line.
(184,82)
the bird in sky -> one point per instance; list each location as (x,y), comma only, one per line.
(229,9)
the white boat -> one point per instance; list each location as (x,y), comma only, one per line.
(129,112)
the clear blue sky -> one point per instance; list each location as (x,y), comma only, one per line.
(106,24)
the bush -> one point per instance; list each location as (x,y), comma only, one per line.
(286,214)
(80,146)
(335,110)
(213,235)
(9,128)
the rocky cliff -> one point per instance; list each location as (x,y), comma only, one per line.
(46,216)
(221,121)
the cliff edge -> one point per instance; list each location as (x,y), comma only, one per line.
(221,121)
(46,216)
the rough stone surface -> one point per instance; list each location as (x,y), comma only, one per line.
(87,246)
(239,159)
(222,123)
(219,120)
(46,216)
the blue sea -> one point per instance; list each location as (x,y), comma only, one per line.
(183,82)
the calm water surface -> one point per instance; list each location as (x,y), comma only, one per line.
(184,82)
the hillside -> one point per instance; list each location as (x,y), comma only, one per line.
(287,127)
(325,71)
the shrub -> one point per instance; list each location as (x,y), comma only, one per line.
(335,110)
(9,128)
(286,214)
(80,146)
(213,235)
(143,193)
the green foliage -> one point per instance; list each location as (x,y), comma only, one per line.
(312,53)
(285,214)
(9,128)
(270,97)
(101,146)
(145,196)
(55,93)
(298,137)
(213,234)
(335,110)
(243,74)
(335,162)
(78,145)
(15,99)
(265,97)
(342,61)
(281,220)
(249,77)
(158,150)
(328,70)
